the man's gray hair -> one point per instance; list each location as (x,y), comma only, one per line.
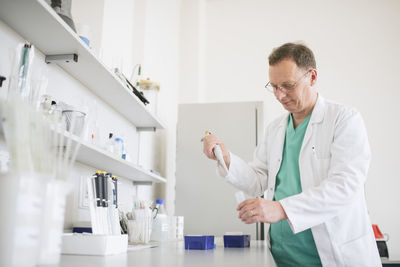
(301,54)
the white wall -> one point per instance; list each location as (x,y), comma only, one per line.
(161,64)
(191,64)
(356,44)
(90,13)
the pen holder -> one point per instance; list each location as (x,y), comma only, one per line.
(53,222)
(139,229)
(176,227)
(21,200)
(79,120)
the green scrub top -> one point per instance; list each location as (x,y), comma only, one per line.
(287,248)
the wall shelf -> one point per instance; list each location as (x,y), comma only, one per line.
(100,159)
(39,24)
(96,157)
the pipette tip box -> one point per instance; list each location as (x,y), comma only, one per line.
(236,241)
(199,242)
(89,244)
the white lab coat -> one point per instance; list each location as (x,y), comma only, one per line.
(333,161)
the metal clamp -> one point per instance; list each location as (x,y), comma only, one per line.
(63,58)
(146,129)
(142,183)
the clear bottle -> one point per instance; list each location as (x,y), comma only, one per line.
(160,222)
(119,147)
(110,143)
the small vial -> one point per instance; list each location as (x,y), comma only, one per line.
(240,197)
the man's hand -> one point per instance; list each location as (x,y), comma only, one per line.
(261,210)
(209,143)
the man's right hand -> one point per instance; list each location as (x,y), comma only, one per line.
(209,142)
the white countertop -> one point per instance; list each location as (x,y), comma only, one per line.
(173,254)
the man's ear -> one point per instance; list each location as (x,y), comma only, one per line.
(314,76)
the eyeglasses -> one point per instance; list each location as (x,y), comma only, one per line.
(285,87)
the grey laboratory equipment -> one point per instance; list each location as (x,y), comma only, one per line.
(63,9)
(205,199)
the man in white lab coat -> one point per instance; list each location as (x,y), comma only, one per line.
(311,168)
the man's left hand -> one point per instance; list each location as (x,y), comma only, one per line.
(261,210)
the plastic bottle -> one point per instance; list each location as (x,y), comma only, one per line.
(119,147)
(110,143)
(160,223)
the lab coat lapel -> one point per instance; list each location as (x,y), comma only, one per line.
(282,133)
(278,147)
(317,116)
(307,135)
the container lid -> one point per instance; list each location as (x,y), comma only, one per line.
(149,85)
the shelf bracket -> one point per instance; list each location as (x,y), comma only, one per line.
(142,183)
(146,129)
(61,58)
(2,79)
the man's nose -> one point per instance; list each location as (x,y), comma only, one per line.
(279,94)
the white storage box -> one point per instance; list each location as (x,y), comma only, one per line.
(88,244)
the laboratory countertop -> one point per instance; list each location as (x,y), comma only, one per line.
(173,254)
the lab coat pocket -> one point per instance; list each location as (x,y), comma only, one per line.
(321,168)
(356,252)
